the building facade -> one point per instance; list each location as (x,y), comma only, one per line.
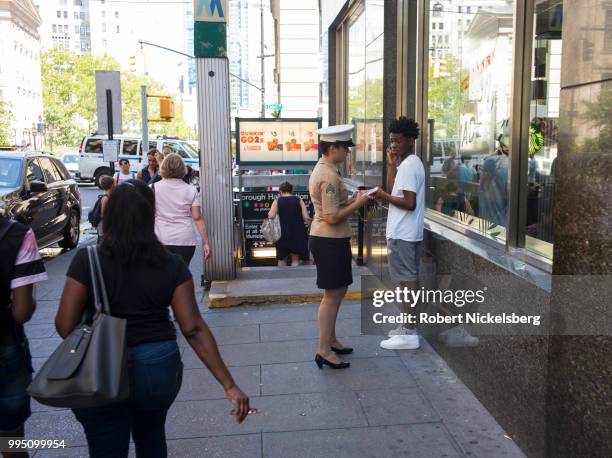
(250,22)
(298,62)
(513,102)
(20,79)
(65,23)
(101,27)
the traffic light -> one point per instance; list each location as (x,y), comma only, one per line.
(439,68)
(436,68)
(133,63)
(166,108)
(442,68)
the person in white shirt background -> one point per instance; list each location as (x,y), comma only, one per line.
(124,174)
(405,195)
(177,210)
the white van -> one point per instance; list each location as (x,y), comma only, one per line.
(92,167)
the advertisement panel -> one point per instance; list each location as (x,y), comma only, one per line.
(277,141)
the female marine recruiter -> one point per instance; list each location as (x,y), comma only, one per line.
(330,235)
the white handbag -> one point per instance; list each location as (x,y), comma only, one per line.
(271,229)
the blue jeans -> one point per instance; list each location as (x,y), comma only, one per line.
(15,378)
(156,372)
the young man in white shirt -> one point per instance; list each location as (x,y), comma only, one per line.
(405,195)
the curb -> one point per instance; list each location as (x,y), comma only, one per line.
(218,301)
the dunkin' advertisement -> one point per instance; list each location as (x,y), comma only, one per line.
(291,141)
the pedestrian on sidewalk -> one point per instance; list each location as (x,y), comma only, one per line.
(20,268)
(124,174)
(143,280)
(150,170)
(405,195)
(177,209)
(106,184)
(293,215)
(159,159)
(330,236)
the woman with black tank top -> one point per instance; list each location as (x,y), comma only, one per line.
(294,217)
(142,279)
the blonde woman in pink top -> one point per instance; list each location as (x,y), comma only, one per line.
(177,210)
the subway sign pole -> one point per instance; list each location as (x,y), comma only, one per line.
(210,50)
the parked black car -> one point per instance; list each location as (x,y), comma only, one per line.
(37,190)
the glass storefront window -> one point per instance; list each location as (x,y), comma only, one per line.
(356,93)
(469,104)
(365,92)
(374,69)
(544,125)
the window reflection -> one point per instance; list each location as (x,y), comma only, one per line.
(469,95)
(543,128)
(356,92)
(365,93)
(374,69)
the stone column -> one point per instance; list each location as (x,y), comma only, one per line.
(579,400)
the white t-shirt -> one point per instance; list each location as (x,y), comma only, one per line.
(403,224)
(121,177)
(173,201)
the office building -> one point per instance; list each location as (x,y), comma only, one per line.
(20,80)
(514,95)
(298,72)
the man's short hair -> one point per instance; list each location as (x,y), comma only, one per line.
(106,182)
(152,152)
(409,128)
(121,161)
(173,167)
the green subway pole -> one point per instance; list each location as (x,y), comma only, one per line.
(210,51)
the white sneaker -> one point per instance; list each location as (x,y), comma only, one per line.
(458,337)
(399,331)
(401,342)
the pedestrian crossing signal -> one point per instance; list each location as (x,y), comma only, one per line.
(166,108)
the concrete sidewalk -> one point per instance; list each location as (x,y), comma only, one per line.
(386,404)
(267,285)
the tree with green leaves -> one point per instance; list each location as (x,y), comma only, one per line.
(69,98)
(598,115)
(447,97)
(6,118)
(366,100)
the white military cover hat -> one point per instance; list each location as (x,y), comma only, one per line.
(341,134)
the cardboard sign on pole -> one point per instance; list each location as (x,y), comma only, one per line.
(108,80)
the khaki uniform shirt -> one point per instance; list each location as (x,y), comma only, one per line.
(328,194)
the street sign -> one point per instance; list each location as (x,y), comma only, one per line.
(211,10)
(256,205)
(110,150)
(210,28)
(274,106)
(278,142)
(107,80)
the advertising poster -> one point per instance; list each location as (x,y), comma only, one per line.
(277,141)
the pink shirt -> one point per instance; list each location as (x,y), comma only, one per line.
(173,201)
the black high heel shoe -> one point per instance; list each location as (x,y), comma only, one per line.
(342,351)
(322,361)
